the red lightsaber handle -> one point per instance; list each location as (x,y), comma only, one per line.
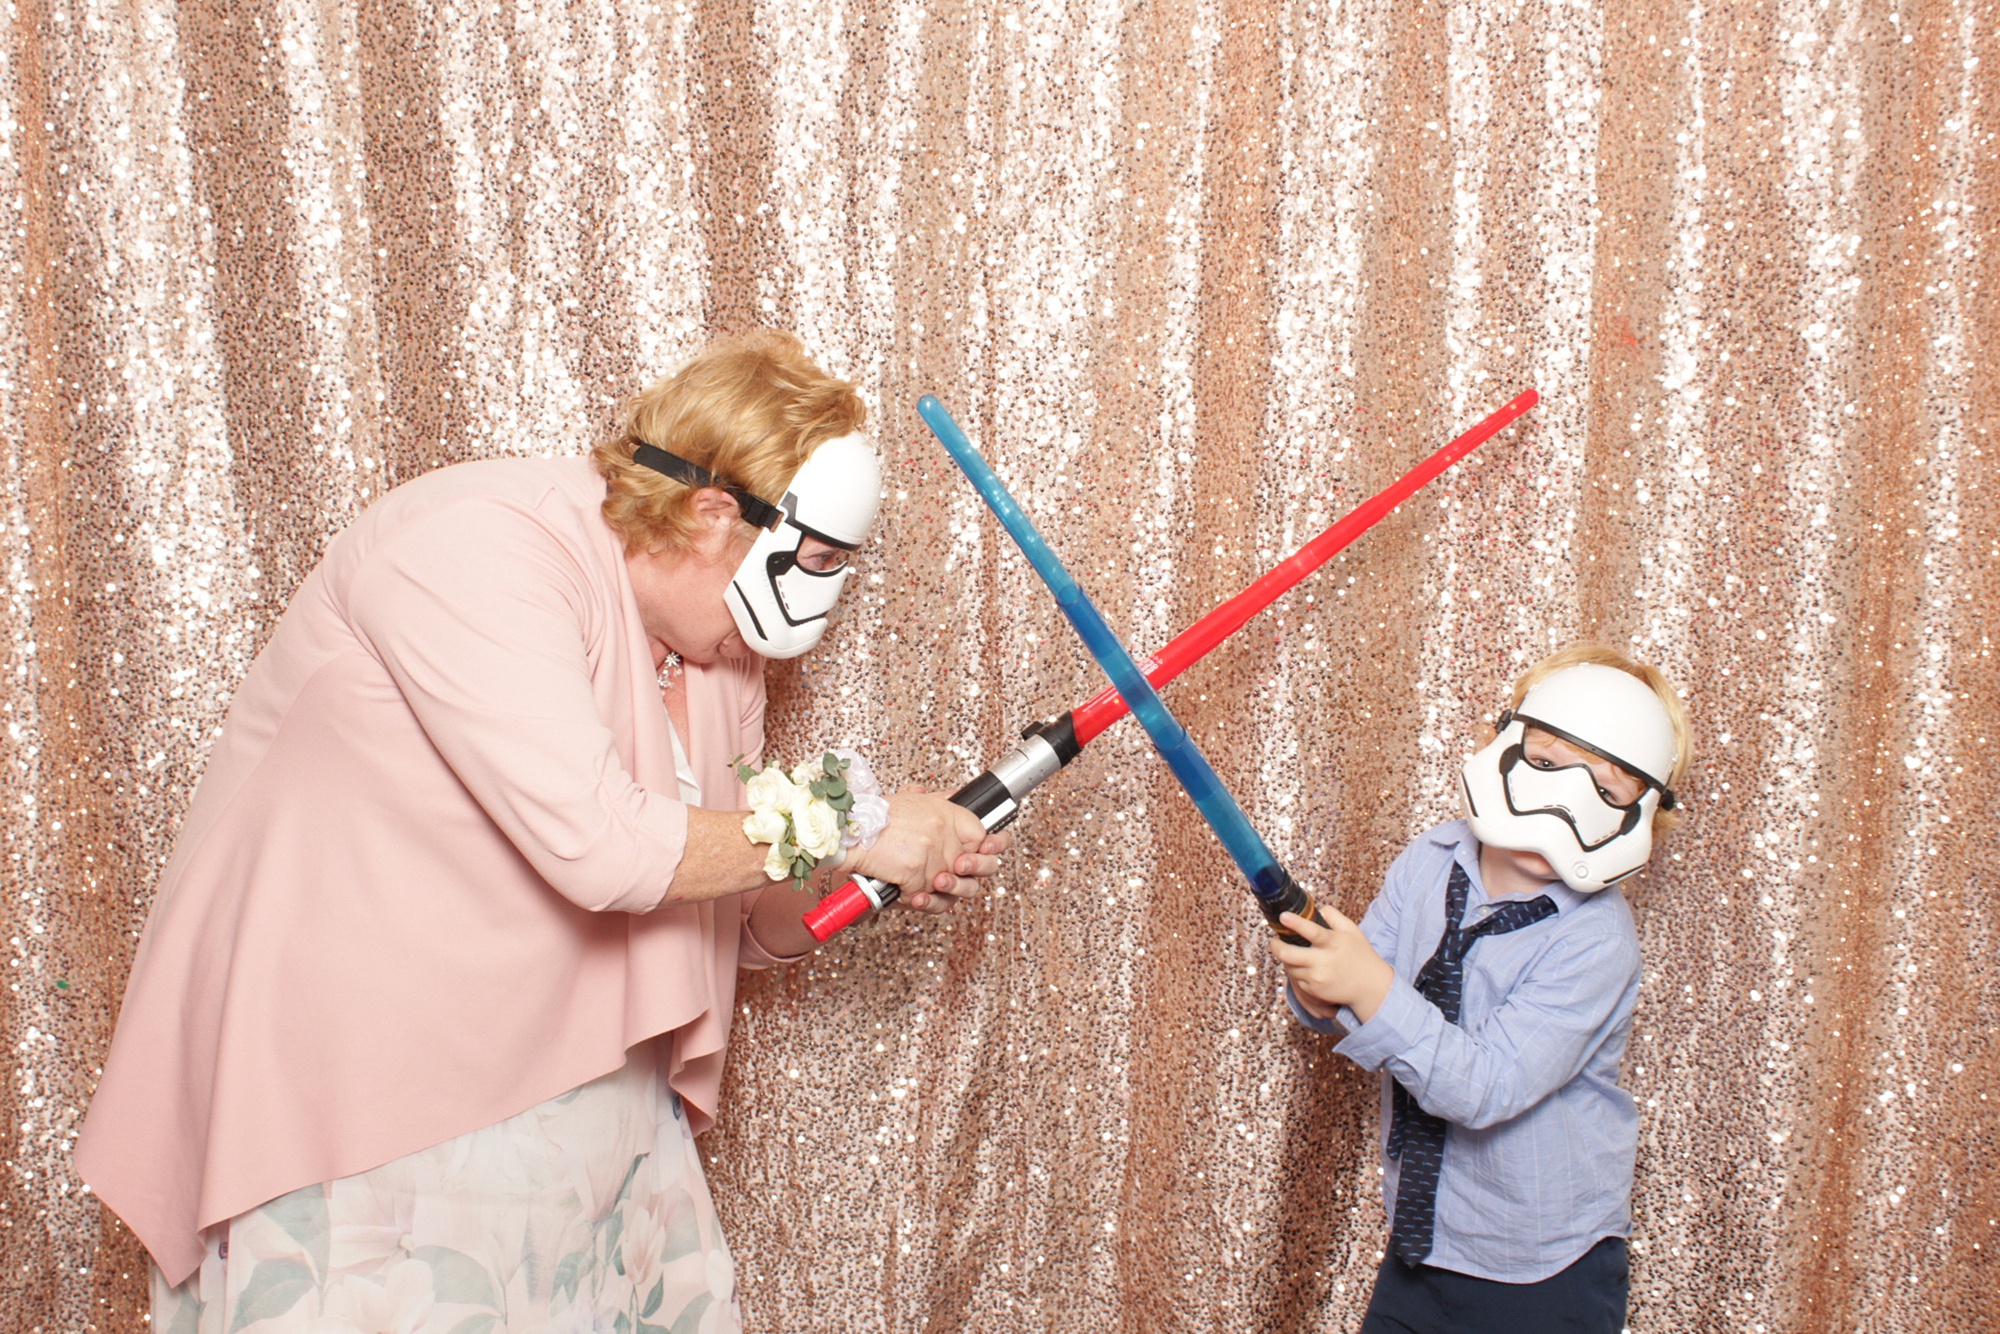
(846,906)
(995,795)
(1107,706)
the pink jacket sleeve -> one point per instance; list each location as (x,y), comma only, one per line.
(485,623)
(753,955)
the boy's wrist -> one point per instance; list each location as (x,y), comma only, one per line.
(1314,1005)
(1328,1023)
(1371,989)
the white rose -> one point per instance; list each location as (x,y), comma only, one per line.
(808,774)
(777,867)
(791,797)
(764,826)
(766,790)
(818,826)
(403,1302)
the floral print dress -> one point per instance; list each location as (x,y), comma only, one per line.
(588,1214)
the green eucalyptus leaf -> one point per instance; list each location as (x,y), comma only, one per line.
(683,1236)
(611,1232)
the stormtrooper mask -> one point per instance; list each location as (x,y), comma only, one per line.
(1560,810)
(780,605)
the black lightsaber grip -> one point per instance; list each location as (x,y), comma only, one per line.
(986,797)
(1288,898)
(995,797)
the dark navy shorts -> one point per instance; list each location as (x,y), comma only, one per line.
(1586,1298)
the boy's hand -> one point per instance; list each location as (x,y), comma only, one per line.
(1336,966)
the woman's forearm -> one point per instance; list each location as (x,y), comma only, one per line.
(718,862)
(777,922)
(721,863)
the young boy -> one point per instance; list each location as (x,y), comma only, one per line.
(1492,982)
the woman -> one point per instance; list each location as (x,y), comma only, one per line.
(436,984)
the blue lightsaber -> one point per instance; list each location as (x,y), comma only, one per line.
(1274,888)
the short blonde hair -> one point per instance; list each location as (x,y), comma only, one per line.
(749,408)
(1602,656)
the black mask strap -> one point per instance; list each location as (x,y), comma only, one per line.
(756,511)
(1667,798)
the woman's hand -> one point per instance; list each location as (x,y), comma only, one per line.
(936,851)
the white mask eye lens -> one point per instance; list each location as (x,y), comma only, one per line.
(1547,763)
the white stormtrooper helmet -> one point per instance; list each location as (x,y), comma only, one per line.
(779,605)
(1561,812)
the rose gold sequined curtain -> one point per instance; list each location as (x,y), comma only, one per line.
(1198,276)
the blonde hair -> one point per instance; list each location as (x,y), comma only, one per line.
(1602,656)
(749,408)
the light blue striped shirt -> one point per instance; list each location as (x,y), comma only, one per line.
(1538,1160)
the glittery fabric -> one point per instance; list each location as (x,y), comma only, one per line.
(1197,277)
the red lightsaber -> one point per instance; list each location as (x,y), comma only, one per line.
(996,795)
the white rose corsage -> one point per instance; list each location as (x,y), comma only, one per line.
(813,812)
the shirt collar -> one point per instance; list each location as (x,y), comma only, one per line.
(1457,836)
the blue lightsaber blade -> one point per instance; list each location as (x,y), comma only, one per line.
(1275,890)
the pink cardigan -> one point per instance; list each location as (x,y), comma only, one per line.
(415,892)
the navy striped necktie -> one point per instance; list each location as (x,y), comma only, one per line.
(1416,1138)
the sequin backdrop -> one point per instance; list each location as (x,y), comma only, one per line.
(1198,276)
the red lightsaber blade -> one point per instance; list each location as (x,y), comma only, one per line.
(996,795)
